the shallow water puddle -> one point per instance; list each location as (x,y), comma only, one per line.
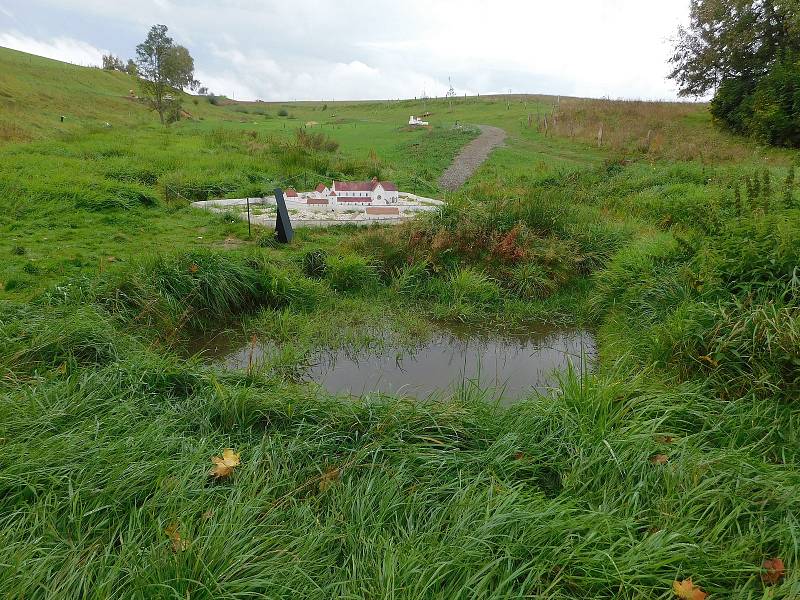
(507,366)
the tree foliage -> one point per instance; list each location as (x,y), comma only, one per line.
(733,39)
(165,70)
(112,63)
(748,53)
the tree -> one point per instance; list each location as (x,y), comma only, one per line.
(451,93)
(748,53)
(732,39)
(112,63)
(131,68)
(165,70)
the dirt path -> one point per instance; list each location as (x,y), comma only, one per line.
(471,157)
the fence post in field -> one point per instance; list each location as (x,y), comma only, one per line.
(249,232)
(600,136)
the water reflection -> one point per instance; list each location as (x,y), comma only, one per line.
(508,366)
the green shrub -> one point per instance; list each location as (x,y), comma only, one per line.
(350,272)
(170,291)
(315,141)
(767,108)
(77,336)
(467,285)
(315,263)
(411,280)
(741,347)
(283,112)
(531,281)
(751,254)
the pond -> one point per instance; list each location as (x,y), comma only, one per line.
(507,366)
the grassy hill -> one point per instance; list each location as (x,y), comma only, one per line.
(674,243)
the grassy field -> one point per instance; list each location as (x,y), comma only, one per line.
(678,245)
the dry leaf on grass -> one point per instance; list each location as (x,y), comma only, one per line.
(178,543)
(659,459)
(686,590)
(328,478)
(774,571)
(665,439)
(193,268)
(224,465)
(709,361)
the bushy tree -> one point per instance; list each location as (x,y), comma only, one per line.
(748,53)
(165,70)
(112,63)
(131,68)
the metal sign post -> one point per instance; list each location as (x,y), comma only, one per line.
(249,234)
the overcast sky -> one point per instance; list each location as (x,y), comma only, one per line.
(374,49)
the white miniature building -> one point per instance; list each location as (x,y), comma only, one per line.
(355,193)
(412,120)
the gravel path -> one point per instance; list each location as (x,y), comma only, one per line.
(471,157)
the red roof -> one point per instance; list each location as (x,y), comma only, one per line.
(353,186)
(321,187)
(352,199)
(363,186)
(333,193)
(290,192)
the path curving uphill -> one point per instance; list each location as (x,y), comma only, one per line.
(471,157)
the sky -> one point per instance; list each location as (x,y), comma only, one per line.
(375,49)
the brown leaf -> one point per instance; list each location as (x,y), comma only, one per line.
(664,439)
(224,465)
(519,455)
(709,361)
(178,543)
(686,590)
(774,571)
(659,459)
(193,268)
(328,478)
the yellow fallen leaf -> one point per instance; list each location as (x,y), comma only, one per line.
(178,543)
(328,478)
(659,459)
(686,590)
(710,361)
(224,465)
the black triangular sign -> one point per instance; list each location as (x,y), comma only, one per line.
(283,226)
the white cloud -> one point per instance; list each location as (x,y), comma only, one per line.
(60,48)
(7,13)
(359,49)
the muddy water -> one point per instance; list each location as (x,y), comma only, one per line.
(506,366)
